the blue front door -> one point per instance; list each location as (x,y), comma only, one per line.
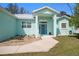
(43,29)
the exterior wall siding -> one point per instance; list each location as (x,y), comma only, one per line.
(63,31)
(7,26)
(49,26)
(24,31)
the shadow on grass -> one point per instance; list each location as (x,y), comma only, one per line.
(75,36)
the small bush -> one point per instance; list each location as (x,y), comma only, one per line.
(78,35)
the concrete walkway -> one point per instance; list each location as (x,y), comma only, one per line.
(43,45)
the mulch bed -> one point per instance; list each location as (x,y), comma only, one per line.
(19,40)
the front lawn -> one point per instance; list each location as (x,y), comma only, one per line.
(67,46)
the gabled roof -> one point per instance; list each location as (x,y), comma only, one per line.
(24,16)
(64,17)
(44,8)
(19,16)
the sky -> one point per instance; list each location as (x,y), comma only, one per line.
(33,6)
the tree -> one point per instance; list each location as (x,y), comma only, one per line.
(62,13)
(13,8)
(74,21)
(22,10)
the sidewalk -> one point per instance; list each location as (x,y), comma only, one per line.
(43,45)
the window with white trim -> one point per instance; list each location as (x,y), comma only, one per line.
(63,25)
(23,24)
(28,24)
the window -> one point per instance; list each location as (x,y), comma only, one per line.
(28,25)
(63,25)
(23,24)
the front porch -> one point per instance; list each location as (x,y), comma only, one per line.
(46,21)
(46,25)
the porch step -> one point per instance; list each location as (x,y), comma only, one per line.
(46,36)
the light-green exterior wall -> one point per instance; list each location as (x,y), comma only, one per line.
(7,26)
(24,31)
(63,31)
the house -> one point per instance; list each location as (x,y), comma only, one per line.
(42,21)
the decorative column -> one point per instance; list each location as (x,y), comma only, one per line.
(55,25)
(37,25)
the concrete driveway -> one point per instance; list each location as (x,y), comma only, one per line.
(43,45)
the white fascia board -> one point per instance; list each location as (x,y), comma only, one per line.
(45,7)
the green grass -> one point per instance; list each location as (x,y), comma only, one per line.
(67,46)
